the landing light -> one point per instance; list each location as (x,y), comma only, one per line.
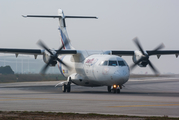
(114,86)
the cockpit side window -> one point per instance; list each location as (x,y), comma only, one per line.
(112,63)
(104,63)
(121,63)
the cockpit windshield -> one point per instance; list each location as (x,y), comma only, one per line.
(104,63)
(113,63)
(121,63)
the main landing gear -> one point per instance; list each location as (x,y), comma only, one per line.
(67,88)
(114,88)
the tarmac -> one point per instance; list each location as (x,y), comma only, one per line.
(154,96)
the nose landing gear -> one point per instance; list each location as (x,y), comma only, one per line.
(114,88)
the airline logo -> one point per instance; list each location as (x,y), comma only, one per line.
(91,62)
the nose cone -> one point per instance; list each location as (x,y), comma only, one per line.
(121,75)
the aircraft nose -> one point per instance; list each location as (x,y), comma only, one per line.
(123,72)
(121,75)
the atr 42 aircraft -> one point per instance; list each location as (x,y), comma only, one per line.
(90,68)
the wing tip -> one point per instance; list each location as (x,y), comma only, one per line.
(25,16)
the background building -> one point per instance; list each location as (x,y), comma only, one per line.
(24,64)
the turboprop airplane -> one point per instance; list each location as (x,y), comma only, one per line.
(90,68)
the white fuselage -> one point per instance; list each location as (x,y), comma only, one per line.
(95,70)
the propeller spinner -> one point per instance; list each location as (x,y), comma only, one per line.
(145,56)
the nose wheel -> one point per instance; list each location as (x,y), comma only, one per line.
(114,89)
(118,90)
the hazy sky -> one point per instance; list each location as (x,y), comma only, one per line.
(152,21)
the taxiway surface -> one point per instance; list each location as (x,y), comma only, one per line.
(141,97)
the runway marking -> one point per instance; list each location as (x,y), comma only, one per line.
(89,100)
(152,79)
(23,98)
(146,105)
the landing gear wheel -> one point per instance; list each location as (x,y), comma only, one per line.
(68,88)
(118,91)
(114,90)
(64,87)
(109,89)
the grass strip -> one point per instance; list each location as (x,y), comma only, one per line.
(40,115)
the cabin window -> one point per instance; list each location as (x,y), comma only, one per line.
(112,63)
(121,63)
(104,63)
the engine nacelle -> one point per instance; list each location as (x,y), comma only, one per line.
(138,55)
(46,58)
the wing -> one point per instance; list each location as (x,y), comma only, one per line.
(22,51)
(122,53)
(164,52)
(150,52)
(34,52)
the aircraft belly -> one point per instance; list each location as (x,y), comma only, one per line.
(87,82)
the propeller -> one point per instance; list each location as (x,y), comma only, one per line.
(53,56)
(145,56)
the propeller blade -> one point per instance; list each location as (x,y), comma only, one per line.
(64,44)
(161,46)
(54,56)
(44,69)
(41,44)
(136,41)
(132,66)
(153,68)
(63,63)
